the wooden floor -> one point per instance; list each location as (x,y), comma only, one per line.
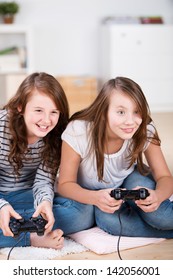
(159,251)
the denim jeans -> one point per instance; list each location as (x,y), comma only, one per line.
(130,220)
(72,216)
(22,202)
(68,215)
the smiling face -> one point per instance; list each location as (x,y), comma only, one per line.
(41,116)
(124,117)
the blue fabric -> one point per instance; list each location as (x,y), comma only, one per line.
(22,202)
(68,215)
(72,216)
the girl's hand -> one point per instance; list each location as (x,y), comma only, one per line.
(45,210)
(6,212)
(105,202)
(150,204)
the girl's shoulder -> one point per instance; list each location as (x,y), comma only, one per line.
(77,127)
(4,120)
(151,129)
(77,136)
(4,126)
(3,115)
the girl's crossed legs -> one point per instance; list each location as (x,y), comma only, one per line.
(134,221)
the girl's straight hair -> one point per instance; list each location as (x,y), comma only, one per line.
(97,112)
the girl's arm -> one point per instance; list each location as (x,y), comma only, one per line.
(68,187)
(43,187)
(162,176)
(43,192)
(67,183)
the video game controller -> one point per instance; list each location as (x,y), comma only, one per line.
(118,194)
(32,225)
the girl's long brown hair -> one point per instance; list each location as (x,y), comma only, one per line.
(97,112)
(51,151)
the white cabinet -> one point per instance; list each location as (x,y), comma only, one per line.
(20,38)
(143,52)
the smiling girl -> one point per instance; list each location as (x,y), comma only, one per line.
(105,144)
(31,125)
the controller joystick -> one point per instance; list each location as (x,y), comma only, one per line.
(32,225)
(118,194)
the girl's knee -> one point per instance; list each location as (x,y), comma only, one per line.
(136,179)
(72,216)
(162,217)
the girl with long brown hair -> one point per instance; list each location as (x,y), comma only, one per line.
(31,124)
(103,149)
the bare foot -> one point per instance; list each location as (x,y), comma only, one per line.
(52,239)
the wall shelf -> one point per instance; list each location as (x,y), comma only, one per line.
(19,36)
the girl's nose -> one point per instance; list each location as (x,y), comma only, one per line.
(130,119)
(46,118)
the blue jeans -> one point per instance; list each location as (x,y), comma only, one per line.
(133,221)
(68,215)
(22,202)
(72,216)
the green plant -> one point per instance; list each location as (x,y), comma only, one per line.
(8,8)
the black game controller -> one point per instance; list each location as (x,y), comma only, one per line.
(32,225)
(118,194)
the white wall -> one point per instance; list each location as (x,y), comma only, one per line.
(66,37)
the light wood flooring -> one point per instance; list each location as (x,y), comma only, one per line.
(160,251)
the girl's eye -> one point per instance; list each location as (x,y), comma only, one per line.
(38,110)
(121,112)
(137,112)
(55,112)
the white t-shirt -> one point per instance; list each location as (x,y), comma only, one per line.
(115,165)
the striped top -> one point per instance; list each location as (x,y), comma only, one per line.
(32,175)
